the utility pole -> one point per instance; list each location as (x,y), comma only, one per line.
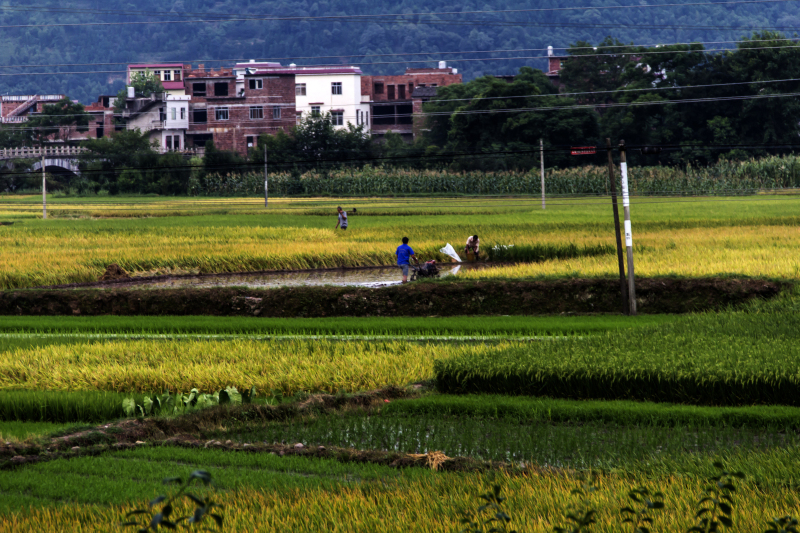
(626,207)
(44,189)
(266,185)
(541,162)
(613,185)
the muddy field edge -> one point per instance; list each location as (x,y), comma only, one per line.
(574,296)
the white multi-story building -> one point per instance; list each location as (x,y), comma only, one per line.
(334,90)
(164,116)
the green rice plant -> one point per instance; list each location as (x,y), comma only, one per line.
(690,361)
(533,253)
(61,406)
(615,412)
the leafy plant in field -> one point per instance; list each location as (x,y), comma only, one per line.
(786,524)
(204,507)
(639,516)
(581,515)
(497,520)
(167,404)
(715,507)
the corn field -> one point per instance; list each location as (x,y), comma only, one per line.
(725,177)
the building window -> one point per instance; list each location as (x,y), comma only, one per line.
(410,88)
(167,75)
(300,89)
(256,112)
(390,92)
(221,89)
(183,113)
(434,85)
(276,112)
(177,142)
(378,88)
(162,115)
(199,89)
(256,84)
(168,142)
(251,141)
(200,116)
(358,117)
(173,113)
(315,110)
(367,122)
(157,74)
(337,117)
(336,87)
(221,113)
(401,92)
(177,75)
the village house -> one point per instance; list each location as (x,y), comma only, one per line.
(233,108)
(396,101)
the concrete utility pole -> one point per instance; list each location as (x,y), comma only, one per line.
(44,189)
(541,162)
(266,185)
(626,207)
(613,185)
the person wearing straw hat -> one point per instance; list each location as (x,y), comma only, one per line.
(342,219)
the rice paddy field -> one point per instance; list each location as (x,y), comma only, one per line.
(753,236)
(399,424)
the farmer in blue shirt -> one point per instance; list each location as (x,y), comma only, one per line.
(404,253)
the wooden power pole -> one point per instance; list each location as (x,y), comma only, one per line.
(613,186)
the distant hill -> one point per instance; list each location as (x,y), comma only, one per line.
(350,40)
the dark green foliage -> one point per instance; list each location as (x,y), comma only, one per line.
(57,120)
(639,516)
(143,83)
(128,163)
(534,253)
(715,507)
(203,508)
(489,517)
(581,514)
(786,524)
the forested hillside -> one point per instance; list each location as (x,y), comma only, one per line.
(185,30)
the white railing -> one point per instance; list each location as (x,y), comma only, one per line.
(28,152)
(14,120)
(26,97)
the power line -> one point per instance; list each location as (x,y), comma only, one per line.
(417,14)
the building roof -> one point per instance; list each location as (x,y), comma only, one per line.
(254,64)
(157,65)
(310,70)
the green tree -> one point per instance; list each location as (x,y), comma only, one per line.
(58,120)
(144,84)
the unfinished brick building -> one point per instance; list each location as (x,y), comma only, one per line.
(233,119)
(393,99)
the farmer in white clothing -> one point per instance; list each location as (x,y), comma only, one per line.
(472,244)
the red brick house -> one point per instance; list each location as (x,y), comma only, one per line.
(233,119)
(394,106)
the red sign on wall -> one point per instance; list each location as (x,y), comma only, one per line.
(583,150)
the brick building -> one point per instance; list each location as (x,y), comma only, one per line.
(393,102)
(554,64)
(17,107)
(233,120)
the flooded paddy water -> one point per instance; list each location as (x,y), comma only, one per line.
(374,277)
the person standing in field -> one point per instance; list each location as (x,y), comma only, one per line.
(472,244)
(342,219)
(404,253)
